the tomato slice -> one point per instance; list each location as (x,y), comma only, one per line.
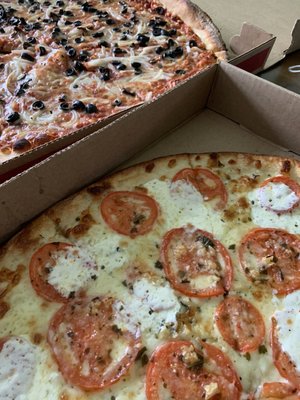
(90,346)
(282,360)
(195,263)
(129,213)
(206,182)
(240,324)
(181,371)
(279,390)
(44,260)
(266,197)
(271,256)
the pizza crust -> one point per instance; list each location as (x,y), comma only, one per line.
(200,23)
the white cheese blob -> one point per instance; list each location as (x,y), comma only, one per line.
(17,369)
(277,197)
(73,269)
(182,204)
(288,327)
(151,306)
(267,218)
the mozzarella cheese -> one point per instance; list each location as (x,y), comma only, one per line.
(72,271)
(277,196)
(267,218)
(288,327)
(17,368)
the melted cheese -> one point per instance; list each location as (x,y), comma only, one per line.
(277,196)
(288,327)
(267,218)
(72,271)
(17,368)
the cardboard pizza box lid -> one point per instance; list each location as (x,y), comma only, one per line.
(229,15)
(221,109)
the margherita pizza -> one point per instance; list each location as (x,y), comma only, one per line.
(67,64)
(178,278)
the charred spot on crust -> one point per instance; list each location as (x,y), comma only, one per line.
(243,203)
(4,307)
(149,167)
(98,189)
(21,145)
(172,163)
(258,164)
(213,160)
(231,162)
(37,338)
(286,166)
(86,221)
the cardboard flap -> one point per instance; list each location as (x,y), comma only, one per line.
(250,37)
(295,45)
(274,114)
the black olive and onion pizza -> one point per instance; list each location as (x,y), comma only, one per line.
(178,278)
(67,64)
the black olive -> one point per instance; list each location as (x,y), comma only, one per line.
(21,145)
(71,52)
(56,31)
(77,23)
(54,17)
(103,44)
(38,105)
(116,29)
(79,40)
(70,72)
(27,57)
(127,24)
(160,10)
(36,25)
(117,103)
(98,35)
(110,21)
(123,37)
(68,22)
(192,43)
(156,23)
(47,3)
(68,13)
(105,73)
(3,14)
(79,66)
(114,63)
(78,105)
(172,32)
(178,52)
(136,65)
(170,43)
(142,39)
(159,50)
(180,71)
(26,45)
(64,106)
(2,65)
(83,55)
(124,10)
(2,30)
(63,42)
(31,40)
(62,98)
(157,32)
(13,117)
(128,92)
(91,108)
(102,14)
(121,67)
(42,51)
(118,51)
(60,3)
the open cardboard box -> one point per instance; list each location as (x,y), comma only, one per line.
(221,109)
(253,46)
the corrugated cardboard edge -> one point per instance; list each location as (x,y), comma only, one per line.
(28,194)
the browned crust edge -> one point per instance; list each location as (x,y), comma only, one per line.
(200,22)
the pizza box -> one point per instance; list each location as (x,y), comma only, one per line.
(246,34)
(221,109)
